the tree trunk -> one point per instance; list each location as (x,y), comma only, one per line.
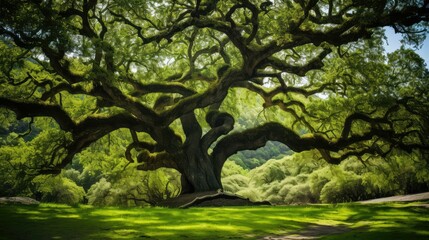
(198,174)
(194,163)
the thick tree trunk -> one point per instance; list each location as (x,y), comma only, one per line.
(194,163)
(198,173)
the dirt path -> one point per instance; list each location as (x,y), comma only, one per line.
(404,198)
(315,231)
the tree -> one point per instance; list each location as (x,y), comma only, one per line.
(177,74)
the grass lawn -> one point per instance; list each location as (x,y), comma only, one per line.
(53,221)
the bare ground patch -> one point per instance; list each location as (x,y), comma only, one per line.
(313,231)
(402,198)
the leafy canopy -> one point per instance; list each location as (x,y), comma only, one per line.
(178,74)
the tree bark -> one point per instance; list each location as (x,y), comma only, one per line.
(197,169)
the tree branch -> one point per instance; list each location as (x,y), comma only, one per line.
(221,123)
(32,109)
(313,64)
(257,137)
(142,89)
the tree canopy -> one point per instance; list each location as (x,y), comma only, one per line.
(179,74)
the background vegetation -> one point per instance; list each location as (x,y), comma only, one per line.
(101,176)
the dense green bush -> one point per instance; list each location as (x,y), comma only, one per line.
(235,183)
(232,168)
(251,159)
(302,178)
(345,188)
(300,194)
(58,189)
(271,171)
(251,193)
(98,194)
(134,188)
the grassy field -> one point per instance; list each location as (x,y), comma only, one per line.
(354,221)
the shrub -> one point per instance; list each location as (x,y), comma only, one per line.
(271,193)
(300,194)
(271,171)
(235,183)
(59,190)
(231,168)
(133,187)
(284,191)
(98,193)
(318,179)
(345,188)
(251,193)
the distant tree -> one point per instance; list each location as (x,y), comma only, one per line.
(177,74)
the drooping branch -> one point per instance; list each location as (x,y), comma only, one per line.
(84,133)
(150,162)
(92,129)
(138,145)
(30,128)
(257,137)
(32,109)
(221,123)
(118,98)
(99,126)
(73,89)
(363,117)
(27,43)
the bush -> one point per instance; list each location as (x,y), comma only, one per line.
(235,183)
(133,187)
(318,179)
(98,193)
(300,194)
(251,193)
(71,174)
(273,170)
(59,190)
(284,191)
(271,193)
(231,168)
(345,188)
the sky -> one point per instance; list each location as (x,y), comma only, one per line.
(393,43)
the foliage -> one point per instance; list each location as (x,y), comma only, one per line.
(109,83)
(251,159)
(59,190)
(98,174)
(301,178)
(98,193)
(344,187)
(235,183)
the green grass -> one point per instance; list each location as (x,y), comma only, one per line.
(52,221)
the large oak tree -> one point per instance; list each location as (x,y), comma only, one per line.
(172,71)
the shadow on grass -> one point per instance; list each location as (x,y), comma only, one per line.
(63,222)
(387,221)
(49,221)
